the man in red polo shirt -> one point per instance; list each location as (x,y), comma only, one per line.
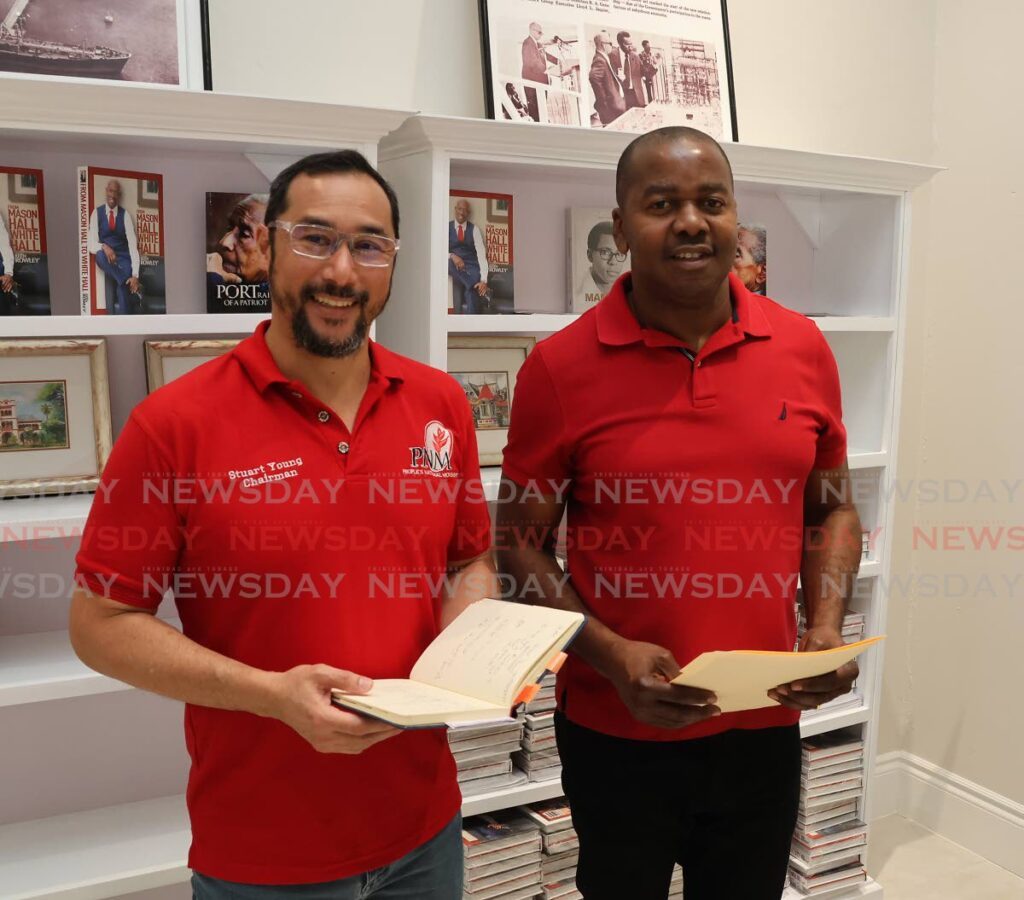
(313,501)
(688,427)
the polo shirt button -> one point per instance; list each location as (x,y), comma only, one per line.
(343,447)
(700,362)
(323,415)
(297,394)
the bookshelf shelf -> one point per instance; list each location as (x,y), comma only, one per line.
(219,324)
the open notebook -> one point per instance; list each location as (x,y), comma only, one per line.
(490,658)
(742,678)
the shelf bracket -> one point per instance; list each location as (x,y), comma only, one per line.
(271,164)
(805,208)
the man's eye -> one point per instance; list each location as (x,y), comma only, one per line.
(660,204)
(714,203)
(315,240)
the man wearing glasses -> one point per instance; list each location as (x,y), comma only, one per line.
(290,490)
(606,264)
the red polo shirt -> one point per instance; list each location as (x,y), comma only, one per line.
(683,481)
(288,539)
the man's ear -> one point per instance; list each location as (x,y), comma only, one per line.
(620,239)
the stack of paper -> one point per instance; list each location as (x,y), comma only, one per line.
(502,856)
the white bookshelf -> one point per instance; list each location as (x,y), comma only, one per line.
(198,140)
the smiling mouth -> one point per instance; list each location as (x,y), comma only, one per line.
(334,302)
(692,255)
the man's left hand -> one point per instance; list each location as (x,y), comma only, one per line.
(481,288)
(134,285)
(6,283)
(810,693)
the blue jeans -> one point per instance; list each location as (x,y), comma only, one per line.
(433,871)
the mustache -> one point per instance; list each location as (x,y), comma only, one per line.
(345,292)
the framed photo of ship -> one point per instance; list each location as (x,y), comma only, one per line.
(54,416)
(486,368)
(151,42)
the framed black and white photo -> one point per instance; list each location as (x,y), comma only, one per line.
(152,42)
(54,416)
(167,360)
(486,368)
(654,64)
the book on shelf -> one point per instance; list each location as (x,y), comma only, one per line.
(24,273)
(499,832)
(480,255)
(237,266)
(594,259)
(121,242)
(490,658)
(742,678)
(751,261)
(478,786)
(550,815)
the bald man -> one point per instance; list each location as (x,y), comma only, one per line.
(115,248)
(669,382)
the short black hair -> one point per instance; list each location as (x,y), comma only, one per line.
(623,171)
(333,162)
(597,232)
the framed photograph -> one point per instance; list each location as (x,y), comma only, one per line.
(632,68)
(54,416)
(486,368)
(152,42)
(166,360)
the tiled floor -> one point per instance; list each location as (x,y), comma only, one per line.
(912,863)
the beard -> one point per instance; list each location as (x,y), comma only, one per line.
(308,339)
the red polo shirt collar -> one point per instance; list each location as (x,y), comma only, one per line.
(258,362)
(617,326)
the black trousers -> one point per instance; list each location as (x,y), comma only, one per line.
(724,807)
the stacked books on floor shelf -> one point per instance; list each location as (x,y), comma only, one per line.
(538,754)
(483,756)
(502,856)
(560,846)
(853,631)
(830,843)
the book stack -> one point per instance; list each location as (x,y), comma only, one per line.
(830,840)
(502,856)
(561,847)
(538,754)
(675,886)
(853,631)
(483,755)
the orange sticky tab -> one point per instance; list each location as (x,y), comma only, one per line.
(557,662)
(528,693)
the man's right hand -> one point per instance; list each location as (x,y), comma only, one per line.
(108,253)
(641,673)
(457,261)
(302,700)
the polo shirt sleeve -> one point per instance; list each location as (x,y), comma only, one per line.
(472,535)
(133,537)
(537,449)
(831,447)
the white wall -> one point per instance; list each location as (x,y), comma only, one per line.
(416,55)
(924,80)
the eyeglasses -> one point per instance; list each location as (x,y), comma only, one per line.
(322,242)
(610,255)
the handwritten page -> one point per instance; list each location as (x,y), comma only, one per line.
(742,678)
(492,647)
(399,697)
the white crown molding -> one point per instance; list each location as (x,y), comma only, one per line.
(546,145)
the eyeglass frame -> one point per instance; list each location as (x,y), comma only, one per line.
(613,255)
(343,238)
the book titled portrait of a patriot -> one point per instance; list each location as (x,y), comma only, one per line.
(121,242)
(24,276)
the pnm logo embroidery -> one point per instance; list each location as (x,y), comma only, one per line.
(436,452)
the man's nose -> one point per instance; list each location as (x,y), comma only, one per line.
(340,267)
(690,220)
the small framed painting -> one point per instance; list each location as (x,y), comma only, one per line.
(54,416)
(486,369)
(166,360)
